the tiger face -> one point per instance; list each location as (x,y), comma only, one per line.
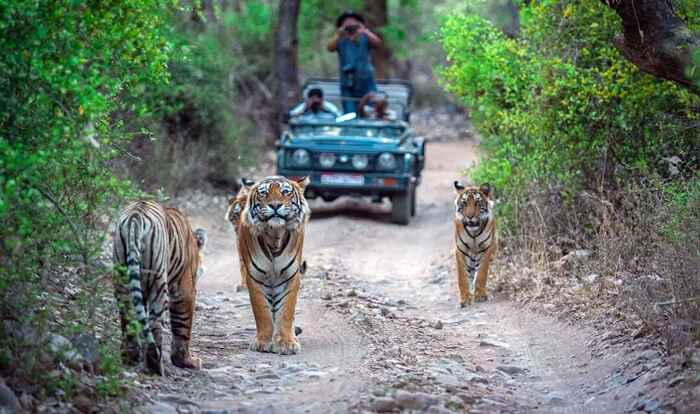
(277,203)
(473,205)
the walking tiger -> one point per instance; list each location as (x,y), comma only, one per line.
(162,259)
(271,238)
(475,240)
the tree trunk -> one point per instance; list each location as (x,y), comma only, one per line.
(285,66)
(377,16)
(655,39)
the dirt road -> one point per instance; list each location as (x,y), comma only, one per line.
(382,329)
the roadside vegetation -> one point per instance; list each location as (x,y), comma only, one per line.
(595,162)
(105,102)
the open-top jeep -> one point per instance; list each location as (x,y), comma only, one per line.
(353,156)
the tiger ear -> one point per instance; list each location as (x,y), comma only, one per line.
(459,187)
(303,182)
(245,182)
(486,189)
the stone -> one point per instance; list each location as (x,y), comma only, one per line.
(383,404)
(352,293)
(88,347)
(63,349)
(510,369)
(83,403)
(414,400)
(8,399)
(486,343)
(267,375)
(677,380)
(651,405)
(554,399)
(438,325)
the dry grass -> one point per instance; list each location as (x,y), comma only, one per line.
(632,254)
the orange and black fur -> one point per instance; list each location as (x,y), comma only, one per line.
(233,214)
(271,239)
(475,240)
(163,259)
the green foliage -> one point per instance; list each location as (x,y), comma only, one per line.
(66,70)
(195,118)
(559,105)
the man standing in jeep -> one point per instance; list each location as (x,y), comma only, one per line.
(352,41)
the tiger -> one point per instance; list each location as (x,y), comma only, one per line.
(233,214)
(163,259)
(475,240)
(271,238)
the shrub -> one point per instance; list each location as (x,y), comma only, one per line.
(199,131)
(586,152)
(560,106)
(66,69)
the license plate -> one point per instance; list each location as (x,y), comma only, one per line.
(342,179)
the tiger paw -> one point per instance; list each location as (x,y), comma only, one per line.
(466,302)
(186,361)
(261,345)
(483,297)
(286,347)
(130,354)
(154,362)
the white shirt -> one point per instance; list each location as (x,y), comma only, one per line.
(326,107)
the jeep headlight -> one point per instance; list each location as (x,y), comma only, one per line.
(301,158)
(386,161)
(327,159)
(360,161)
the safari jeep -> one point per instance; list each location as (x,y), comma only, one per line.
(356,157)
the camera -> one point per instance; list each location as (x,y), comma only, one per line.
(351,29)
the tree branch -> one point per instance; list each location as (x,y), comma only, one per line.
(656,40)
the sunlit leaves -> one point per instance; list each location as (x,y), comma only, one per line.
(558,103)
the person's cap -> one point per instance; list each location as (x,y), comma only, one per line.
(347,14)
(315,92)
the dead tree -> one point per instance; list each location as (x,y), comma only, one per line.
(377,16)
(656,40)
(285,60)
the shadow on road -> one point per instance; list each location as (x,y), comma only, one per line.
(351,208)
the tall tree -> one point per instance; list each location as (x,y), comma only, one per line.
(286,44)
(655,39)
(377,16)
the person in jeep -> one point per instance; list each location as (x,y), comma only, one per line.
(352,41)
(314,105)
(375,105)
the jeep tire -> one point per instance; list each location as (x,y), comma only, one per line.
(401,208)
(413,200)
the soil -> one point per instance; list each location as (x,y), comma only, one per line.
(382,330)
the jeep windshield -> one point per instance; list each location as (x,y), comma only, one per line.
(362,129)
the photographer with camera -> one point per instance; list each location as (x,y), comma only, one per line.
(352,41)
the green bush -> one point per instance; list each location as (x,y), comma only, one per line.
(67,69)
(559,106)
(199,130)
